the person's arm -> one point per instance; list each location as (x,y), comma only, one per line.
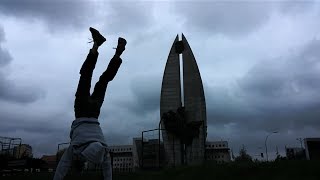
(64,164)
(106,167)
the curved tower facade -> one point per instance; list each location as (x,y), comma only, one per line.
(176,151)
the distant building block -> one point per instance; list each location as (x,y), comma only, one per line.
(312,146)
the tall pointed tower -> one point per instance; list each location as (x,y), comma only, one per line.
(183,91)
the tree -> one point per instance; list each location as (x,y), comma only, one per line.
(243,156)
(280,158)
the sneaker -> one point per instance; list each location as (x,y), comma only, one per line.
(97,37)
(121,45)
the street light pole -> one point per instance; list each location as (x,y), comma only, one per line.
(265,143)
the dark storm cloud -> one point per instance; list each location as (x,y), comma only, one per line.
(223,108)
(54,13)
(126,16)
(9,90)
(229,18)
(146,95)
(289,79)
(285,91)
(31,123)
(122,16)
(278,94)
(43,131)
(233,18)
(119,138)
(5,57)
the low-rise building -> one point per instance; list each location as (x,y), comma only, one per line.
(122,158)
(50,161)
(217,151)
(146,154)
(22,151)
(312,146)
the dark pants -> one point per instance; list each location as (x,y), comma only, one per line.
(86,105)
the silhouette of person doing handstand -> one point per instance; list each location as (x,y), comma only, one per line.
(87,139)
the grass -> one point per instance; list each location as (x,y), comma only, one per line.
(284,170)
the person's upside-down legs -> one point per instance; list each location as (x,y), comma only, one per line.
(87,105)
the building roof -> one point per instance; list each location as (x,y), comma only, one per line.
(312,139)
(49,158)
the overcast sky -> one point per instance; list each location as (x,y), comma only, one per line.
(259,62)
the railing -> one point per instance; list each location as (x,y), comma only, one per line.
(151,155)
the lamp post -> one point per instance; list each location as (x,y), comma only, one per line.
(265,143)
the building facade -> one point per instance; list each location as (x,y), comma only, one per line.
(51,161)
(122,158)
(312,146)
(23,150)
(218,151)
